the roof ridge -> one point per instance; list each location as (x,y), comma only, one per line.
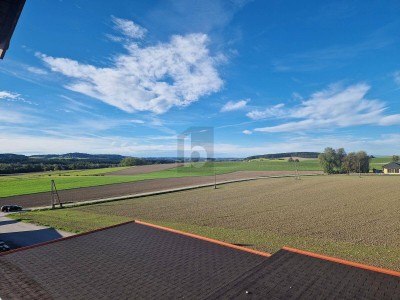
(261,253)
(343,262)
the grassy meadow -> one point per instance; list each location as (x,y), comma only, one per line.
(343,216)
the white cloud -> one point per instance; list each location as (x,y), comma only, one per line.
(37,71)
(231,105)
(59,142)
(24,143)
(274,111)
(247,132)
(15,117)
(390,120)
(5,95)
(136,121)
(335,107)
(396,77)
(152,78)
(296,96)
(10,96)
(129,28)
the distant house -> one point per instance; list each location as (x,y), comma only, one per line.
(392,168)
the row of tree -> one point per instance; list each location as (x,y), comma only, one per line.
(339,162)
(137,161)
(12,168)
(286,154)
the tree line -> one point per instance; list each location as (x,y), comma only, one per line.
(40,166)
(137,161)
(339,162)
(286,154)
(14,163)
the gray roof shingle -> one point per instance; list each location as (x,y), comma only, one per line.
(392,165)
(133,260)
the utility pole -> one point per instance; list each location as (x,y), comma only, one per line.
(297,177)
(215,179)
(55,198)
(359,169)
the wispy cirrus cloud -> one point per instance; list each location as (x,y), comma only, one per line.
(11,96)
(234,105)
(331,56)
(136,121)
(270,112)
(6,95)
(206,16)
(335,107)
(247,132)
(128,28)
(149,78)
(13,116)
(37,71)
(396,77)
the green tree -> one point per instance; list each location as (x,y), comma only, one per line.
(350,163)
(356,162)
(395,158)
(328,160)
(132,161)
(340,156)
(363,161)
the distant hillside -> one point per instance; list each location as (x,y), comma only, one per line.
(287,154)
(15,163)
(77,155)
(12,158)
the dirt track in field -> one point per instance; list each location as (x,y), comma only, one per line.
(144,169)
(137,187)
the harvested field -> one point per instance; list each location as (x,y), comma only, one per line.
(131,188)
(144,169)
(352,218)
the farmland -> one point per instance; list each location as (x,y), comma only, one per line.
(40,182)
(35,183)
(344,216)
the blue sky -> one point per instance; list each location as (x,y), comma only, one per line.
(128,77)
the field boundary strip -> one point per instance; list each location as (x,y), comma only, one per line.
(261,253)
(160,192)
(343,262)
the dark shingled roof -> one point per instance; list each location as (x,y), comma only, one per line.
(392,165)
(10,11)
(134,260)
(131,260)
(289,275)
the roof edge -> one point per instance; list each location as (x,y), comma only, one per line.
(261,253)
(63,238)
(344,262)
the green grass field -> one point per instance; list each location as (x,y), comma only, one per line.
(40,182)
(378,162)
(343,216)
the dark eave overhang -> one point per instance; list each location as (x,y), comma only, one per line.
(10,10)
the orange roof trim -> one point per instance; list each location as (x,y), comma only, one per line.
(206,239)
(344,262)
